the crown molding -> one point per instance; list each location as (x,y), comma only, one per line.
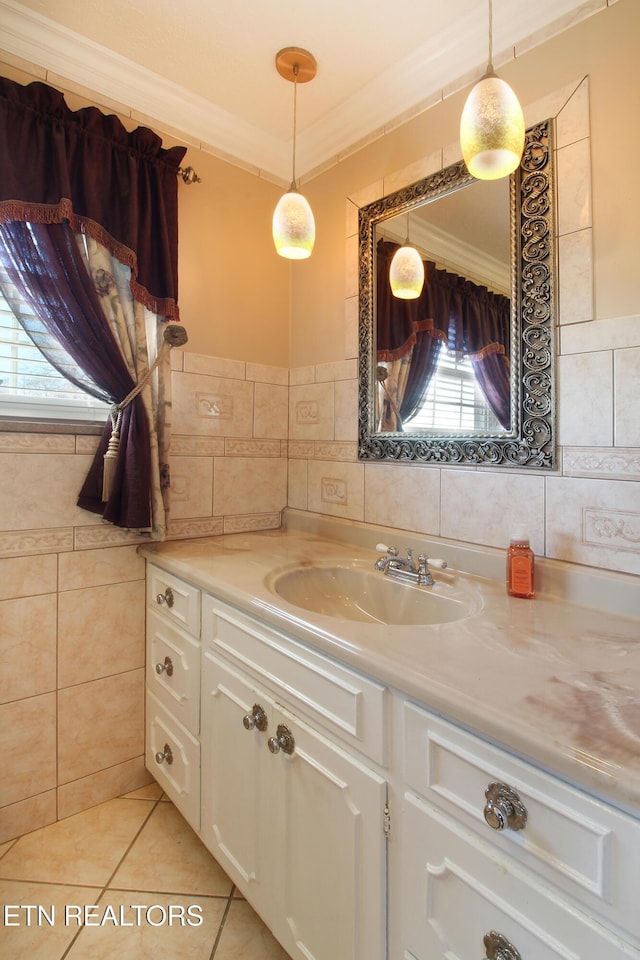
(47,44)
(438,68)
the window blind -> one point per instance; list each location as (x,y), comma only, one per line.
(29,385)
(453,401)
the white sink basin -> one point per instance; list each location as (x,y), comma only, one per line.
(359,593)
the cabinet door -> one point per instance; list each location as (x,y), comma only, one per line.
(300,833)
(457,890)
(235,771)
(332,899)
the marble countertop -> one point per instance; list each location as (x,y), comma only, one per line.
(556,683)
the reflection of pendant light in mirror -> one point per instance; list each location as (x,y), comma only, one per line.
(492,124)
(406,272)
(294,229)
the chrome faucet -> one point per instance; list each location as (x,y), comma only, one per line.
(405,568)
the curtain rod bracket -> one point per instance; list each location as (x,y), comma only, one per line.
(189,175)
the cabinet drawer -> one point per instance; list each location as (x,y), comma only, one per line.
(173,670)
(459,889)
(582,845)
(344,702)
(174,599)
(178,773)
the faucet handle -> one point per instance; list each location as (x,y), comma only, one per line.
(383,548)
(438,564)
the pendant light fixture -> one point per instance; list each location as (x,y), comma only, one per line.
(294,229)
(406,271)
(492,124)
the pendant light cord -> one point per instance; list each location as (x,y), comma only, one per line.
(490,64)
(295,105)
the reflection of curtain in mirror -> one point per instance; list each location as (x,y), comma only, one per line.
(471,320)
(407,343)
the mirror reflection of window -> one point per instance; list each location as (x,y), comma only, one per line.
(453,402)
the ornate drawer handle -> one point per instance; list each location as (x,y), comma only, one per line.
(283,740)
(166,667)
(166,597)
(166,757)
(498,947)
(504,808)
(256,719)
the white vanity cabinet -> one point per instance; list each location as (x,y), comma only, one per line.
(359,824)
(530,868)
(291,813)
(172,746)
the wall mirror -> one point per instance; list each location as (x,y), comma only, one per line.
(464,374)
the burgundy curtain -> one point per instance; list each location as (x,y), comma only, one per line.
(85,167)
(471,320)
(46,266)
(403,326)
(64,173)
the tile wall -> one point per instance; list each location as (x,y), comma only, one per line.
(72,590)
(588,510)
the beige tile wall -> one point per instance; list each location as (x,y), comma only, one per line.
(588,510)
(72,590)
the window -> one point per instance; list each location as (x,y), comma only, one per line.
(454,402)
(29,385)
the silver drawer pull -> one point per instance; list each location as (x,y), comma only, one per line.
(166,597)
(166,667)
(256,719)
(166,757)
(283,740)
(498,947)
(504,808)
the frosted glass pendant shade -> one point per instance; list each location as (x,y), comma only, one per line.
(406,273)
(492,129)
(294,228)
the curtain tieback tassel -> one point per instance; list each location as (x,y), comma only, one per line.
(111,454)
(173,336)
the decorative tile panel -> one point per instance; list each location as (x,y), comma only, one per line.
(611,528)
(182,446)
(191,487)
(301,449)
(197,527)
(594,521)
(251,448)
(336,451)
(311,412)
(28,542)
(307,412)
(37,443)
(334,490)
(249,522)
(617,463)
(217,406)
(212,406)
(104,535)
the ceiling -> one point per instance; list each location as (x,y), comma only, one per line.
(205,68)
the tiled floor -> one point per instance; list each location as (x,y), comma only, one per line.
(148,879)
